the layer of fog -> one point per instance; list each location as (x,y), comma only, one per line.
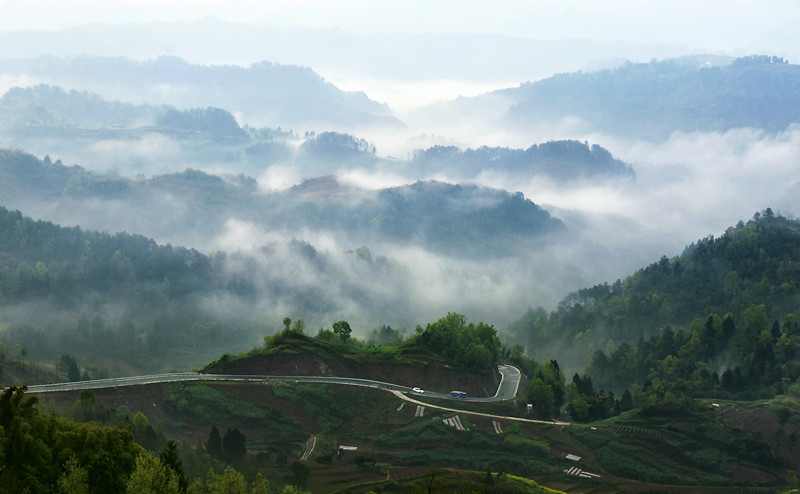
(395,285)
(687,188)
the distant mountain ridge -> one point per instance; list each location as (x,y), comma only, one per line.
(653,100)
(264,94)
(50,120)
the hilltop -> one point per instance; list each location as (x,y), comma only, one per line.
(448,354)
(294,354)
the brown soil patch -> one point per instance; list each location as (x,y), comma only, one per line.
(757,420)
(328,478)
(408,473)
(765,424)
(145,398)
(264,394)
(430,376)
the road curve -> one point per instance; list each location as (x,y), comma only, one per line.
(466,412)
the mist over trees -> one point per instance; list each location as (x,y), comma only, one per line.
(458,220)
(125,295)
(561,161)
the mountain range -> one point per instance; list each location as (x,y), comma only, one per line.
(652,100)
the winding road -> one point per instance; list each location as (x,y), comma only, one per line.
(506,390)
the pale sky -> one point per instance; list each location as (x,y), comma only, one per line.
(745,25)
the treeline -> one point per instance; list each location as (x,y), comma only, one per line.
(562,161)
(714,358)
(475,347)
(658,337)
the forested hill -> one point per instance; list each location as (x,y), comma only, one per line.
(40,259)
(54,112)
(460,220)
(752,264)
(45,105)
(652,100)
(121,301)
(192,207)
(561,161)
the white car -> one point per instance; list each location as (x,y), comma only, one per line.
(417,390)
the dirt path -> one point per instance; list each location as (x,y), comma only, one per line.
(405,397)
(312,441)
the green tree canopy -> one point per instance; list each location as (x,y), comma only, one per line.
(475,346)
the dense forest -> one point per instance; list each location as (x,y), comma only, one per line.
(126,301)
(69,291)
(718,320)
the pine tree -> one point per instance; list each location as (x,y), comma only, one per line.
(171,459)
(214,443)
(234,445)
